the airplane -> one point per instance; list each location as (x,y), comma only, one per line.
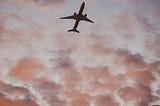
(78,17)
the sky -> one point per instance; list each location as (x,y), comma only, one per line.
(113,62)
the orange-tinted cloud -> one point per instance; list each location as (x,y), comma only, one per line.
(27,69)
(105,100)
(79,102)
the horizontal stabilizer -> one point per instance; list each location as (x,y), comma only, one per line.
(73,30)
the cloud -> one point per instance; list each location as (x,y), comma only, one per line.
(146,25)
(8,102)
(49,92)
(27,67)
(14,92)
(105,100)
(2,20)
(40,2)
(63,60)
(14,95)
(107,66)
(77,98)
(47,2)
(152,45)
(79,102)
(136,95)
(47,87)
(56,101)
(41,5)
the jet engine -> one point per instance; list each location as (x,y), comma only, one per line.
(85,15)
(74,14)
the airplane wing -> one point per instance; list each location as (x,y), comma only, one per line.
(69,17)
(88,20)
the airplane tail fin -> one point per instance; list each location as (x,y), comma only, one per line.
(73,30)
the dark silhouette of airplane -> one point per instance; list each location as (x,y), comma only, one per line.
(78,17)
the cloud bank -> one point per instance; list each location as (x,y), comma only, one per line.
(116,64)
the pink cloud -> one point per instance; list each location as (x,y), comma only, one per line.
(41,2)
(78,70)
(105,100)
(16,96)
(7,102)
(27,69)
(141,95)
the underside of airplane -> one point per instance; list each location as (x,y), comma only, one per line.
(78,17)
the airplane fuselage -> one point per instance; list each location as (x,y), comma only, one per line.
(82,8)
(79,16)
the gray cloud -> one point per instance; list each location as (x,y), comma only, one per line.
(7,102)
(47,2)
(105,100)
(11,94)
(39,2)
(136,95)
